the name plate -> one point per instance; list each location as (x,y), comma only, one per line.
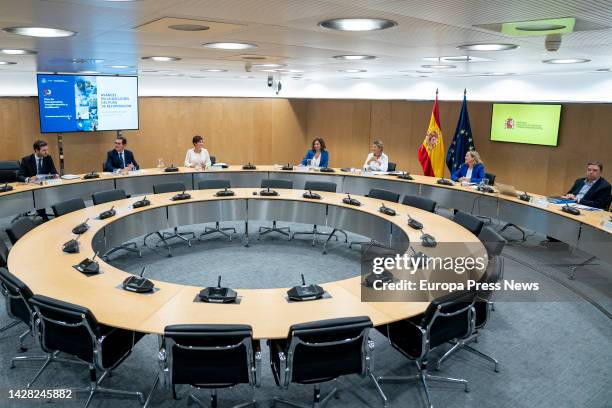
(541,202)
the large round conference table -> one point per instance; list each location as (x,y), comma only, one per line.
(38,260)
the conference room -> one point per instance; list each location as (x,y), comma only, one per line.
(286,203)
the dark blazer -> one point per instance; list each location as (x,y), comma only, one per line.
(324,162)
(112,160)
(27,167)
(598,195)
(478,173)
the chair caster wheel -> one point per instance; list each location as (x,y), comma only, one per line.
(22,349)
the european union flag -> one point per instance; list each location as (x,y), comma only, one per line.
(462,141)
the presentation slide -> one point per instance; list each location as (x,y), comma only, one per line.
(525,123)
(87,103)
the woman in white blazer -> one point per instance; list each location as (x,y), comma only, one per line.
(198,155)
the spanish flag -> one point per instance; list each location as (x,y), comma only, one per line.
(431,152)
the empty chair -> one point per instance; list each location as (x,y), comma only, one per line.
(8,171)
(216,185)
(16,295)
(493,241)
(422,203)
(209,356)
(320,186)
(107,196)
(391,166)
(491,178)
(68,206)
(165,236)
(19,228)
(448,318)
(67,328)
(319,352)
(469,222)
(379,194)
(272,184)
(482,308)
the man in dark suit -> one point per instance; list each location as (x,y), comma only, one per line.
(593,190)
(36,164)
(120,158)
(39,163)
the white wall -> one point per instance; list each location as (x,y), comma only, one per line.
(586,87)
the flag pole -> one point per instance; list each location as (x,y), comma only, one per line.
(464,91)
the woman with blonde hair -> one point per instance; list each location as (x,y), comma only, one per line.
(472,171)
(376,160)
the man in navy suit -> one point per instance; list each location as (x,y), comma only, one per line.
(37,164)
(593,190)
(119,157)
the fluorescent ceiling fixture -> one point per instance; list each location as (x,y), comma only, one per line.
(357,24)
(539,27)
(229,45)
(439,66)
(499,73)
(161,59)
(188,27)
(177,74)
(284,71)
(269,65)
(457,58)
(352,71)
(213,70)
(40,32)
(17,52)
(487,47)
(355,57)
(566,61)
(7,63)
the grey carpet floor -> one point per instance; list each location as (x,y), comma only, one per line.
(555,350)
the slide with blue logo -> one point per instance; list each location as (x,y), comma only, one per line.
(75,103)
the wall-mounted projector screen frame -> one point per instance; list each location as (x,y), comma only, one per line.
(69,103)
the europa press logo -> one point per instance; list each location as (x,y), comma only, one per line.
(509,123)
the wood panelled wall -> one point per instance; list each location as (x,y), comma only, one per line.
(261,130)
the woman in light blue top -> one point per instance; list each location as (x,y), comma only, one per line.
(318,156)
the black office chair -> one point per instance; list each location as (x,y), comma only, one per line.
(391,166)
(4,251)
(216,185)
(320,186)
(468,221)
(493,241)
(272,184)
(107,196)
(379,194)
(166,236)
(318,352)
(213,159)
(448,318)
(482,309)
(8,171)
(421,203)
(67,328)
(209,356)
(68,206)
(16,295)
(19,228)
(491,178)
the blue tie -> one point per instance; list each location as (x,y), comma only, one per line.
(121,160)
(39,167)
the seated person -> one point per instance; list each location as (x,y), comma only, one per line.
(318,156)
(472,171)
(198,156)
(593,190)
(37,164)
(120,158)
(376,160)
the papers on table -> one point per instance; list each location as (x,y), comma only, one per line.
(70,177)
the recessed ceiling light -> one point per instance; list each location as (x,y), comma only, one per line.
(161,59)
(357,24)
(487,47)
(120,66)
(86,61)
(355,57)
(457,58)
(176,74)
(438,66)
(498,73)
(213,70)
(89,72)
(40,32)
(197,76)
(17,52)
(352,71)
(188,27)
(7,63)
(566,61)
(269,65)
(540,27)
(229,45)
(603,70)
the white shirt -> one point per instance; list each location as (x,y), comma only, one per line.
(468,173)
(192,158)
(380,164)
(315,161)
(585,189)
